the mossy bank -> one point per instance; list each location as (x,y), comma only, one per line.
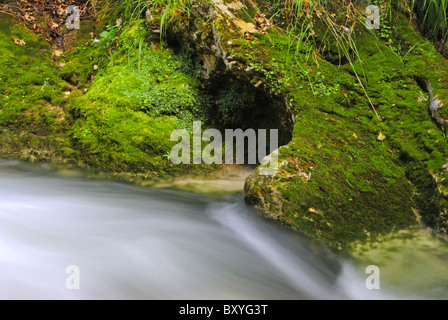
(110,103)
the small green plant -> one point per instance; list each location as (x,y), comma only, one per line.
(109,37)
(167,155)
(321,88)
(432,16)
(270,76)
(301,17)
(386,32)
(135,9)
(231,101)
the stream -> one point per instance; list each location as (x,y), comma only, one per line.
(132,242)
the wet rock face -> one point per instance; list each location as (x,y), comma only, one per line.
(209,32)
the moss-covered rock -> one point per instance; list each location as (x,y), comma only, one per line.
(358,166)
(365,154)
(125,119)
(111,103)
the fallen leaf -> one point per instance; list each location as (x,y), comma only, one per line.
(19,42)
(381,137)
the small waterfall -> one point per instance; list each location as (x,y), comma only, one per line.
(130,242)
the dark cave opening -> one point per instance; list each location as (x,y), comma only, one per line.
(232,100)
(234,103)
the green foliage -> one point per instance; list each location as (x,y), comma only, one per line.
(133,101)
(171,7)
(333,22)
(232,101)
(124,121)
(109,37)
(135,9)
(385,31)
(78,66)
(270,76)
(433,17)
(323,89)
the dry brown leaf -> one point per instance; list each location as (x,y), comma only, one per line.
(19,42)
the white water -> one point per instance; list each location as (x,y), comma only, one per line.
(139,243)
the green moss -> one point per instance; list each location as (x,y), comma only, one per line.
(354,187)
(121,119)
(124,121)
(78,65)
(32,124)
(339,183)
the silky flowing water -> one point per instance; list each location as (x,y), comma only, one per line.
(131,242)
